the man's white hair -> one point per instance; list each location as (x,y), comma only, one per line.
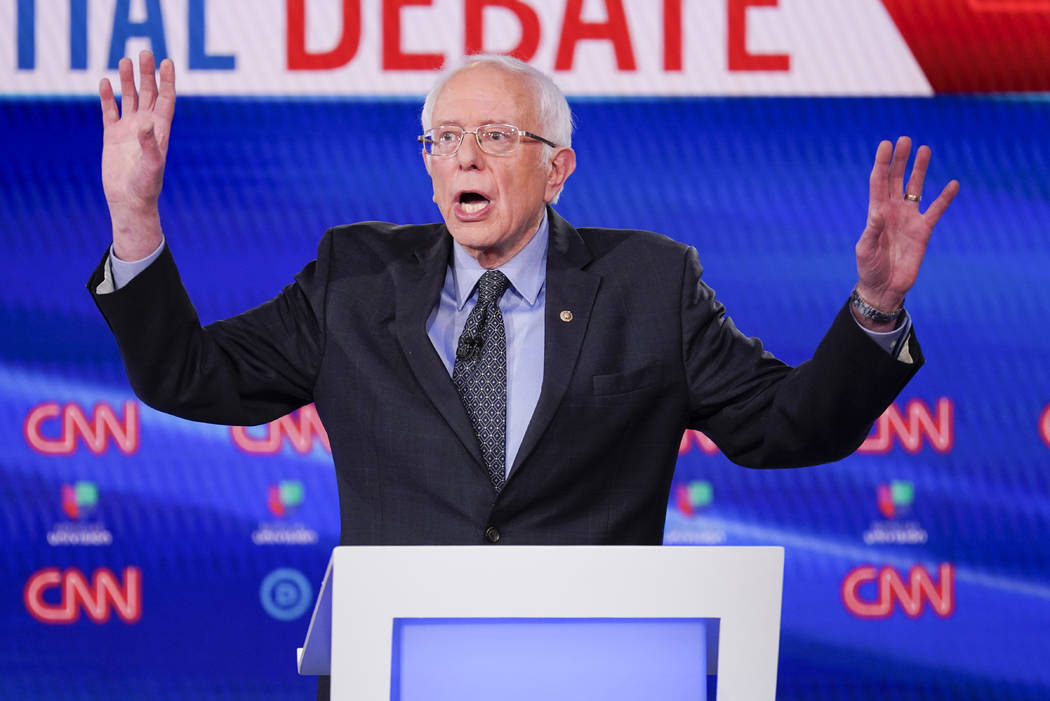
(554,113)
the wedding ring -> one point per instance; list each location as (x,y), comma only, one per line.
(912,198)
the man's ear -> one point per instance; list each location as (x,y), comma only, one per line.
(561,167)
(427,165)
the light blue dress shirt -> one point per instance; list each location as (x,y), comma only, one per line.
(522,308)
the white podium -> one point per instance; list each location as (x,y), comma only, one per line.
(717,608)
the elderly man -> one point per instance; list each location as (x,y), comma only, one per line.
(502,377)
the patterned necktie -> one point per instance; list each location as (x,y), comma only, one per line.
(480,373)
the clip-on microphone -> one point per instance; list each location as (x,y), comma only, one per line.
(469,347)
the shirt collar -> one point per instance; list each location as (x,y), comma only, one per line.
(527,270)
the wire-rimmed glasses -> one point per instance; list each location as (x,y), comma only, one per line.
(495,139)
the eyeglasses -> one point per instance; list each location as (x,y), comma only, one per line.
(495,139)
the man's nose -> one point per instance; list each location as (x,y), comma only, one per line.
(470,154)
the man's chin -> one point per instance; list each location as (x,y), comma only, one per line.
(473,235)
(475,245)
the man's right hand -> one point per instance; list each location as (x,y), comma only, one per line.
(134,148)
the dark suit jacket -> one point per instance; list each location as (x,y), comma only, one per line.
(648,352)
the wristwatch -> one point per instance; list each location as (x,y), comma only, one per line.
(869,312)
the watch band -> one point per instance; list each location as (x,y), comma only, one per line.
(869,312)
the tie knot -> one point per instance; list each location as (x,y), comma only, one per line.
(491,287)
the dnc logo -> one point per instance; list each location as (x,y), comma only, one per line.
(285,594)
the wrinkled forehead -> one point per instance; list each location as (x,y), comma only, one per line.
(485,93)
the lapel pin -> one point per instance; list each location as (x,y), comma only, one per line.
(565,315)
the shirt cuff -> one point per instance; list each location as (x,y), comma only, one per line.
(124,271)
(891,341)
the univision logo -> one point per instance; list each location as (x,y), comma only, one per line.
(895,499)
(79,500)
(80,505)
(285,497)
(283,500)
(685,525)
(694,496)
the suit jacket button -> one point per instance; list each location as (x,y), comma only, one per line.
(492,535)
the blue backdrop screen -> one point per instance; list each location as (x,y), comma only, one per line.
(148,557)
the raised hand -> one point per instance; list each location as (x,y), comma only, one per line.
(134,149)
(894,241)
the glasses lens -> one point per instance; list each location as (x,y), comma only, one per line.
(444,140)
(498,138)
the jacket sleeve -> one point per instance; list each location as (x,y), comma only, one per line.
(763,413)
(246,370)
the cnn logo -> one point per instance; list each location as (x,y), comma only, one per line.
(1044,425)
(695,439)
(300,428)
(96,598)
(916,425)
(891,590)
(54,429)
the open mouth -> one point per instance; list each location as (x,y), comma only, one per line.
(471,202)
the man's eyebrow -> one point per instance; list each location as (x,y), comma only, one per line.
(457,123)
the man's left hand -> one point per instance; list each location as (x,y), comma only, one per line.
(894,241)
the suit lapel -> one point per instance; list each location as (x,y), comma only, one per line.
(418,280)
(569,289)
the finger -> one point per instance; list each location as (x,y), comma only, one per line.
(875,226)
(933,214)
(918,171)
(150,148)
(147,80)
(869,238)
(165,104)
(878,183)
(110,113)
(129,97)
(899,165)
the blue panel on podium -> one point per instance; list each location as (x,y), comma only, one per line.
(518,659)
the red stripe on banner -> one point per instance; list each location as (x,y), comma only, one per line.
(1010,5)
(978,45)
